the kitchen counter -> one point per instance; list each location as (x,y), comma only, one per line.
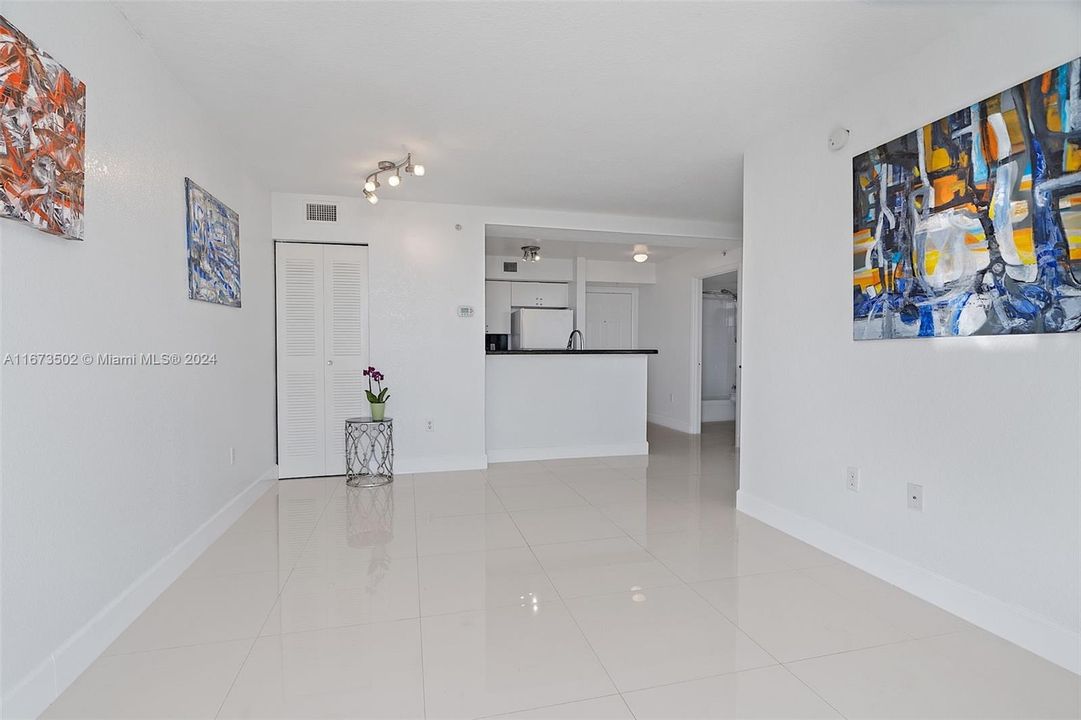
(583,403)
(564,351)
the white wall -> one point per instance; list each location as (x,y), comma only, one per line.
(989,426)
(621,272)
(106,471)
(422,268)
(669,317)
(546,270)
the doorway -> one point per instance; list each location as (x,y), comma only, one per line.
(716,323)
(719,357)
(611,318)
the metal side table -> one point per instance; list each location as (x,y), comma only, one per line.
(369,451)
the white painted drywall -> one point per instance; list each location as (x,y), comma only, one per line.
(422,267)
(620,272)
(544,270)
(106,470)
(569,406)
(669,314)
(989,426)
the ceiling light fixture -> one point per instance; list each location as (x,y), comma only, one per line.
(530,253)
(641,254)
(640,257)
(371,183)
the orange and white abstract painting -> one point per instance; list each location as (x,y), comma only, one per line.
(42,138)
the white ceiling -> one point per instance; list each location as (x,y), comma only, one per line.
(632,108)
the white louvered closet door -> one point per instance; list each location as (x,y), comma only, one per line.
(345,270)
(322,343)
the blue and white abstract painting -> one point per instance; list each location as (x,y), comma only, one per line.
(213,248)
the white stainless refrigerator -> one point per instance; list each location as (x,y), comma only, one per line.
(540,328)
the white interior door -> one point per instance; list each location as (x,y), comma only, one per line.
(301,398)
(346,306)
(610,320)
(322,350)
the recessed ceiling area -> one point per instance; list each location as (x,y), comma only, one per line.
(507,241)
(629,108)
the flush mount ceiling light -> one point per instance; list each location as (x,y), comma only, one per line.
(640,254)
(394,170)
(530,253)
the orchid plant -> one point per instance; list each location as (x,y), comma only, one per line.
(375,376)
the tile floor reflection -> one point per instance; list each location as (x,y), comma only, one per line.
(594,588)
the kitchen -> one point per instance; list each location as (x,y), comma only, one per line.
(564,376)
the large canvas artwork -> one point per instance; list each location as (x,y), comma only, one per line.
(42,122)
(213,248)
(972,225)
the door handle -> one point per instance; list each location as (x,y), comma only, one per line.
(330,362)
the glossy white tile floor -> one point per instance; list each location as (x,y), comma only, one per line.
(601,588)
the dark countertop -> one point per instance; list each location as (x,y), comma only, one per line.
(560,351)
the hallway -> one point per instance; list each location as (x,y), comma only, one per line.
(620,587)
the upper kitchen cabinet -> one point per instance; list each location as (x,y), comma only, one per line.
(497,304)
(537,294)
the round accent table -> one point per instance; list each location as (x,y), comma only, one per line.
(369,451)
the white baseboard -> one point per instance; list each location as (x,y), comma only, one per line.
(440,463)
(683,426)
(567,451)
(36,691)
(1036,634)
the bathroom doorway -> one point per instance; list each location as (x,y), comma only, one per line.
(720,353)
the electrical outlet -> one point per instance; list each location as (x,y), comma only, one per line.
(232,456)
(429,425)
(915,497)
(852,479)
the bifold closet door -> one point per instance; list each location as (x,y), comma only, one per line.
(322,350)
(345,283)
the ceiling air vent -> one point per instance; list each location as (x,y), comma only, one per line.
(510,266)
(322,212)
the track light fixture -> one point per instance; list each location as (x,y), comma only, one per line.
(530,253)
(394,172)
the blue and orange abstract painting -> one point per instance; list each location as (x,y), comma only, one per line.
(213,248)
(971,225)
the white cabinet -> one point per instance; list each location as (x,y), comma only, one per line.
(321,298)
(497,307)
(536,294)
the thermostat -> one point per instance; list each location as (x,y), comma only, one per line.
(465,311)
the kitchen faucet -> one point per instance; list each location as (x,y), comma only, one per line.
(581,340)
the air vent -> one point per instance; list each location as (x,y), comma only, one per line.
(510,267)
(322,212)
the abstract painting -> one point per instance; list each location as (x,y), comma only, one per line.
(43,127)
(971,225)
(213,248)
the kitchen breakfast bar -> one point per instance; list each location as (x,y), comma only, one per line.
(547,404)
